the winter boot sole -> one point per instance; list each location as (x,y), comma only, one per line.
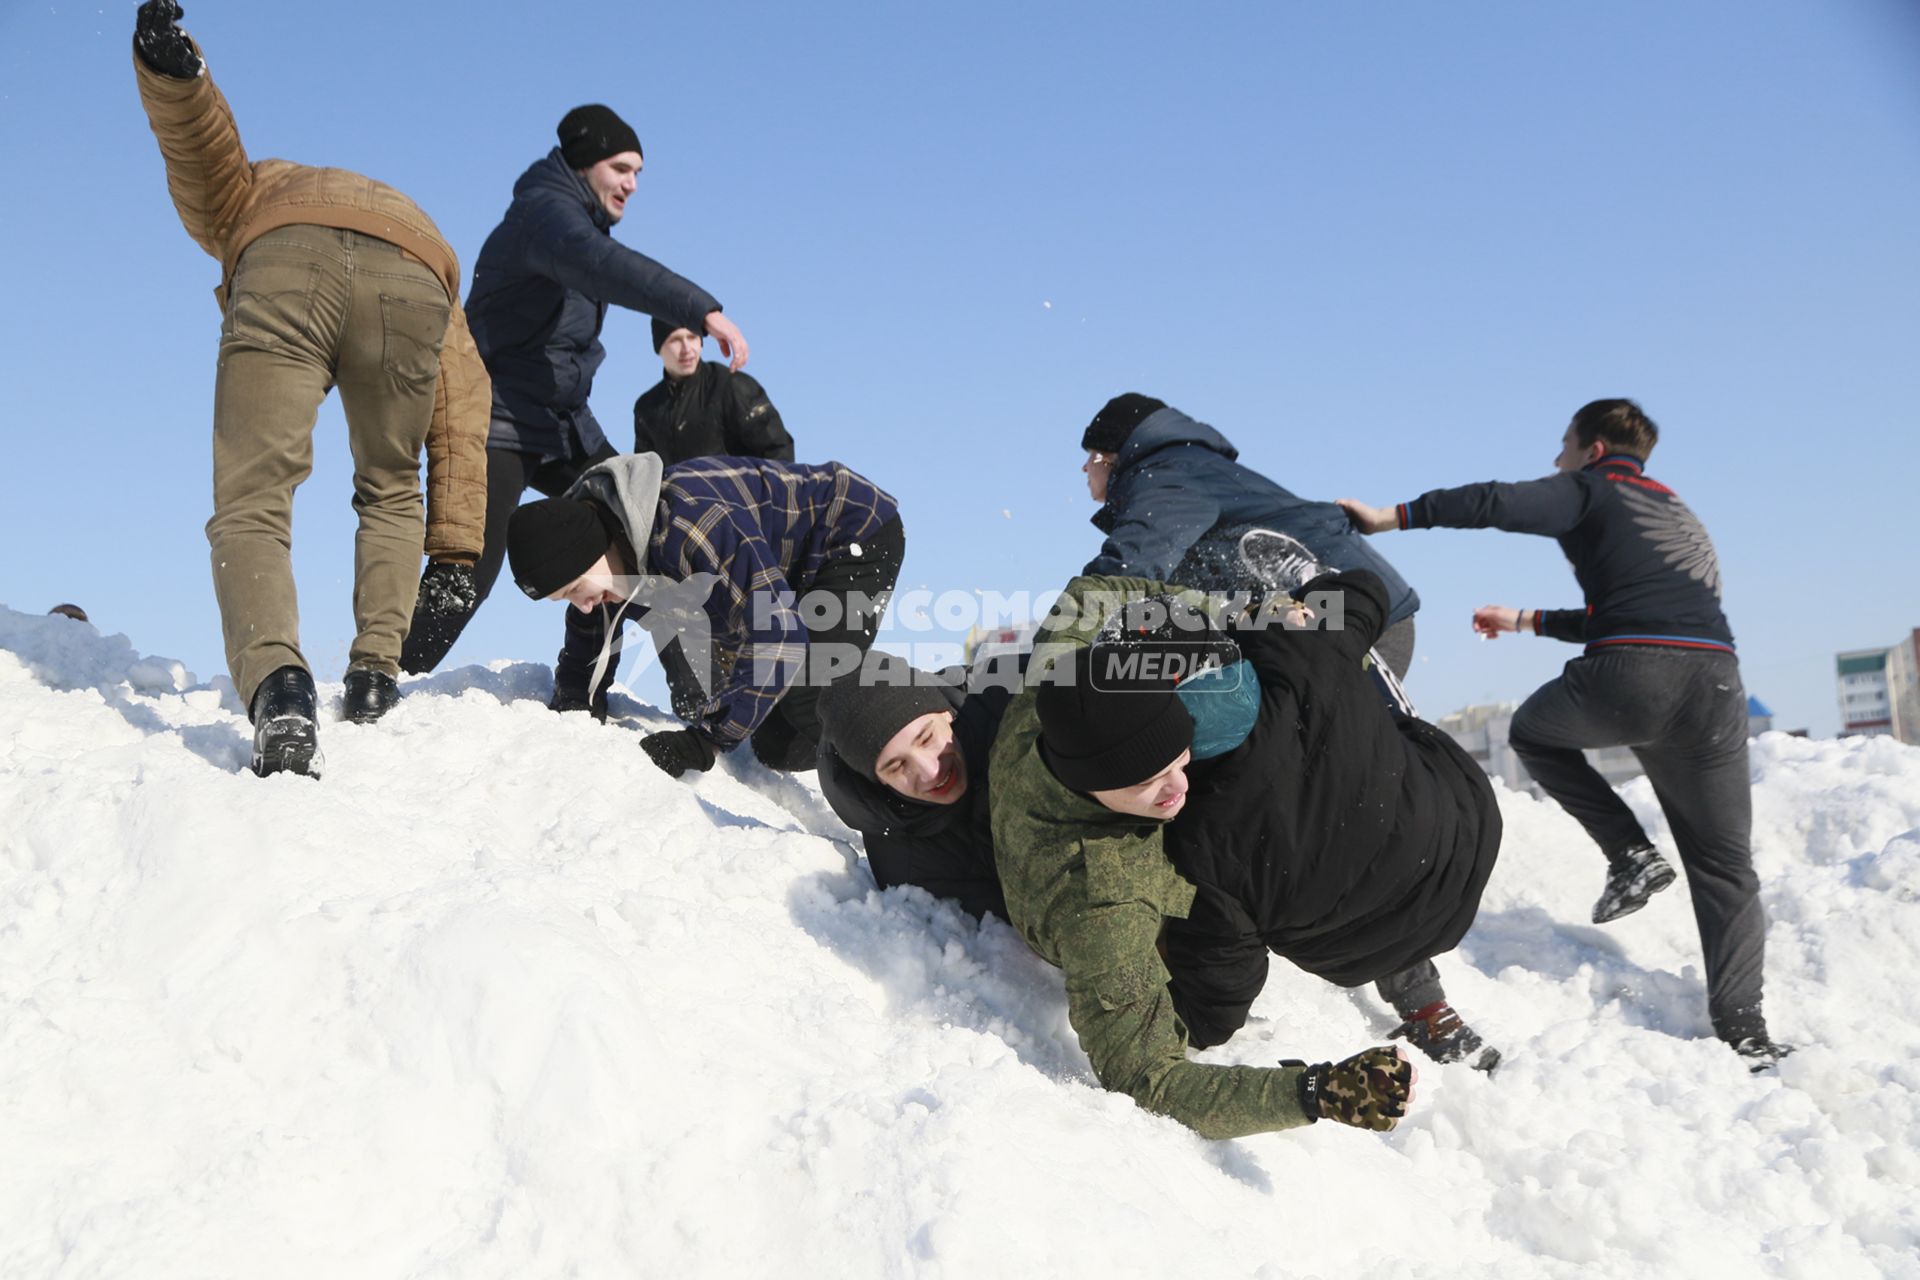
(1636,893)
(287,744)
(1280,561)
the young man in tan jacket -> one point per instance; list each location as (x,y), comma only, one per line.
(327,279)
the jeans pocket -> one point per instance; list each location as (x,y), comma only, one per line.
(270,303)
(412,333)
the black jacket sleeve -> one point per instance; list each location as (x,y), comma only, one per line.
(1562,624)
(1216,966)
(1351,609)
(1551,507)
(648,420)
(753,425)
(1352,604)
(942,868)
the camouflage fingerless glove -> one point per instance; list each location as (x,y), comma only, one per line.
(1368,1090)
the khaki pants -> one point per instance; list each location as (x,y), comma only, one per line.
(311,308)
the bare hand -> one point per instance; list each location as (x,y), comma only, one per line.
(1370,519)
(733,343)
(1489,620)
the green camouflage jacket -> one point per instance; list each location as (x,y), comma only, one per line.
(1089,889)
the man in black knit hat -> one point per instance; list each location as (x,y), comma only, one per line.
(1329,829)
(702,408)
(903,761)
(786,568)
(541,288)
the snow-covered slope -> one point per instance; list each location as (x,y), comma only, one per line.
(497,998)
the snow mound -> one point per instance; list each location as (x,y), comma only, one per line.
(497,998)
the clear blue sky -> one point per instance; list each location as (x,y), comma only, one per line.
(1383,246)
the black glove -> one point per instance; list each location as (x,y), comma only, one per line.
(678,750)
(1370,1090)
(447,590)
(447,600)
(163,46)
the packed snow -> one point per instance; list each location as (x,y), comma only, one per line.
(498,998)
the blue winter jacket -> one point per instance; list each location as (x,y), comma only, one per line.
(540,292)
(1177,500)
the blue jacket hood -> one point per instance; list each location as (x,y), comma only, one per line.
(1164,427)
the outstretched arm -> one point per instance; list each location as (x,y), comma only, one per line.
(733,343)
(1489,620)
(1369,519)
(567,246)
(208,173)
(1549,507)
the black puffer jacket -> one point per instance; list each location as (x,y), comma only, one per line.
(541,287)
(714,411)
(945,849)
(1347,838)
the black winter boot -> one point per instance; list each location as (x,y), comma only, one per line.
(369,695)
(286,735)
(1634,875)
(1762,1052)
(1438,1032)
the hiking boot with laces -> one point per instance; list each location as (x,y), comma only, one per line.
(1438,1032)
(1634,875)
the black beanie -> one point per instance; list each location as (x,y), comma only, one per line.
(663,329)
(591,133)
(1116,420)
(1104,734)
(553,541)
(861,711)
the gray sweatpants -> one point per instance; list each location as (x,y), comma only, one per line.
(1684,713)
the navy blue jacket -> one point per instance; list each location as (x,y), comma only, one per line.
(1643,559)
(540,292)
(1178,498)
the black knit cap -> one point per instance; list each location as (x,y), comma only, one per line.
(1116,420)
(555,540)
(861,711)
(1098,734)
(663,329)
(591,133)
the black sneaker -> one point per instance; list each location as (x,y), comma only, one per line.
(369,695)
(1635,875)
(1760,1051)
(286,735)
(1438,1032)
